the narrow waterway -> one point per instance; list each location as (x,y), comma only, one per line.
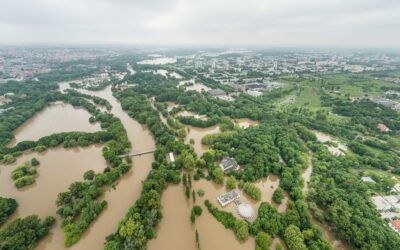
(129,186)
(197,134)
(60,167)
(328,234)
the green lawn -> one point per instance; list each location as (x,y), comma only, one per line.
(308,97)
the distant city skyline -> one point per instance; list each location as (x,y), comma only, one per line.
(260,23)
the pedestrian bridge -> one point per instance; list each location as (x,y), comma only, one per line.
(139,153)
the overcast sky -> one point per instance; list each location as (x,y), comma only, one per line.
(348,23)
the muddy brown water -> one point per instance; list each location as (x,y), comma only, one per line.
(245,122)
(176,222)
(55,118)
(60,167)
(197,134)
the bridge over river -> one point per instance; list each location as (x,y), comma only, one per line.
(139,153)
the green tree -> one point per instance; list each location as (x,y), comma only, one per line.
(7,207)
(294,238)
(262,241)
(89,175)
(241,230)
(231,182)
(200,192)
(8,159)
(34,162)
(218,174)
(197,210)
(187,192)
(278,195)
(188,162)
(252,190)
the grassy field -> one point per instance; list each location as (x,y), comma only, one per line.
(377,172)
(357,84)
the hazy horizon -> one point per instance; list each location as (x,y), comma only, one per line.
(183,23)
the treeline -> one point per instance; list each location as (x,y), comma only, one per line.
(7,208)
(24,233)
(369,114)
(240,227)
(371,149)
(139,224)
(79,206)
(346,204)
(294,226)
(97,100)
(67,139)
(165,90)
(29,98)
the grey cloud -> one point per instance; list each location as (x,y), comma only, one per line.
(219,22)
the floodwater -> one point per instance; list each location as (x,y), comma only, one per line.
(245,122)
(171,105)
(58,168)
(197,134)
(130,69)
(64,167)
(190,113)
(55,118)
(339,150)
(158,61)
(307,174)
(63,86)
(212,234)
(129,186)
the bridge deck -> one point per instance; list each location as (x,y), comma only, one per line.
(139,153)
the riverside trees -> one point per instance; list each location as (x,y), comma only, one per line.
(7,208)
(138,225)
(24,233)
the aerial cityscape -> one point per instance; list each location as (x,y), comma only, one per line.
(128,139)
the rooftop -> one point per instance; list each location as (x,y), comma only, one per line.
(228,164)
(225,199)
(216,92)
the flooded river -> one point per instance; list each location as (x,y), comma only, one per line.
(213,235)
(55,118)
(60,167)
(129,186)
